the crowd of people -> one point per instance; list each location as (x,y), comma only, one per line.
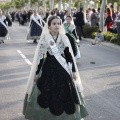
(77,16)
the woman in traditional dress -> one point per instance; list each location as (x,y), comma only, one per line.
(3,28)
(35,27)
(8,19)
(71,34)
(23,18)
(54,89)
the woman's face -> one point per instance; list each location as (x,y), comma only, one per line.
(35,13)
(68,19)
(55,25)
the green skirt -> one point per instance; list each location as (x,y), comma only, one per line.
(33,111)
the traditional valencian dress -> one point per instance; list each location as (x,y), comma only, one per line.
(35,27)
(3,28)
(71,34)
(54,96)
(8,19)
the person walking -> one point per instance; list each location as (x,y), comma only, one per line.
(80,23)
(71,34)
(54,90)
(35,27)
(3,28)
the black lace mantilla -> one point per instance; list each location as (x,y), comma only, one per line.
(57,89)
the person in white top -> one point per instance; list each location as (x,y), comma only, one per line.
(35,27)
(3,28)
(89,15)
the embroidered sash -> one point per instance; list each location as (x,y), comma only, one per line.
(37,21)
(68,31)
(60,59)
(3,24)
(8,36)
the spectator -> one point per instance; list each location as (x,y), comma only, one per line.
(94,18)
(99,38)
(80,23)
(108,21)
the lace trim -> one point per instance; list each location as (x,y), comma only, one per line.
(61,48)
(44,47)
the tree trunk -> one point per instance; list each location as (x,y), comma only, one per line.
(69,4)
(96,5)
(51,5)
(63,5)
(84,9)
(60,5)
(102,11)
(44,7)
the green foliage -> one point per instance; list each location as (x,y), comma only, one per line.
(108,36)
(93,35)
(118,39)
(89,30)
(113,39)
(19,3)
(16,3)
(5,5)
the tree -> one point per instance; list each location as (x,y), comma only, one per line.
(102,14)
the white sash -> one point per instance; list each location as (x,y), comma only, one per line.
(37,21)
(3,24)
(60,59)
(40,24)
(8,36)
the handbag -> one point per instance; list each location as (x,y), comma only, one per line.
(109,19)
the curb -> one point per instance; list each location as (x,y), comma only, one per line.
(104,43)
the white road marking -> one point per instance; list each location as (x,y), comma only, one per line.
(24,57)
(19,51)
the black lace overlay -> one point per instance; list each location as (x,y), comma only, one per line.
(73,44)
(57,89)
(36,30)
(3,30)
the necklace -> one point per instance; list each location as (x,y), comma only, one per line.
(54,38)
(68,25)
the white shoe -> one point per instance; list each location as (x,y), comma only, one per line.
(77,41)
(78,54)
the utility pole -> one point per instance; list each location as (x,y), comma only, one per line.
(28,4)
(69,3)
(44,7)
(38,4)
(102,14)
(60,5)
(84,9)
(51,5)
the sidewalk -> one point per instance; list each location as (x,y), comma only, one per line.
(104,43)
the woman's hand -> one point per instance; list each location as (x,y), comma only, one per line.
(74,76)
(36,77)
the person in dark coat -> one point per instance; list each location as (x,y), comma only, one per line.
(80,23)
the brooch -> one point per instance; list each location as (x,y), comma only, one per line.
(51,43)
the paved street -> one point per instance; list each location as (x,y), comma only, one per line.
(101,81)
